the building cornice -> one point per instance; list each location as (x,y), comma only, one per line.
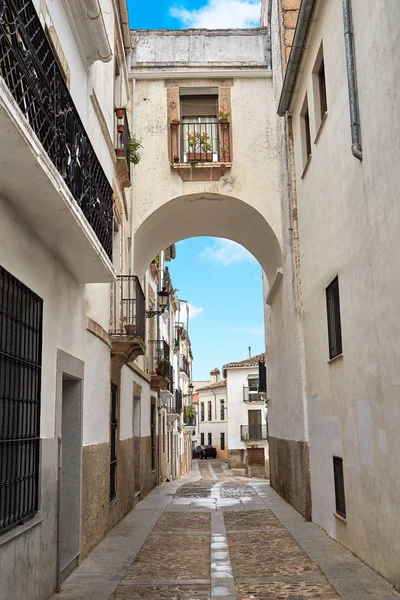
(201,73)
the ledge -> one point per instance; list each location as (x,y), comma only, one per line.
(18,530)
(202,171)
(335,358)
(275,285)
(321,126)
(340,518)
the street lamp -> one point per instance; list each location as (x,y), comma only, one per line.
(163,296)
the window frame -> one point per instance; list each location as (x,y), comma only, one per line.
(202,411)
(335,342)
(222,440)
(209,437)
(340,495)
(202,438)
(209,410)
(305,134)
(113,442)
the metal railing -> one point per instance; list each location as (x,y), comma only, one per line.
(201,142)
(184,365)
(31,73)
(253,432)
(159,362)
(128,307)
(122,139)
(251,394)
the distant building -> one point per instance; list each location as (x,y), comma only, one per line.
(212,426)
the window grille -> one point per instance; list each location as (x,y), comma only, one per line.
(113,436)
(333,312)
(210,439)
(202,439)
(339,486)
(209,410)
(222,441)
(21,321)
(222,410)
(202,411)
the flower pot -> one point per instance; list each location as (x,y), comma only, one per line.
(159,371)
(223,120)
(200,156)
(120,152)
(176,159)
(120,112)
(120,129)
(175,122)
(130,329)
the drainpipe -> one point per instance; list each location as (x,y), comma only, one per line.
(351,80)
(95,16)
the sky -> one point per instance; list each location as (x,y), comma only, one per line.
(223,284)
(220,279)
(182,14)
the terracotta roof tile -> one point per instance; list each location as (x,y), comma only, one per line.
(212,386)
(249,362)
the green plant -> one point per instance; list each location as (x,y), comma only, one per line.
(225,151)
(223,114)
(193,163)
(132,149)
(156,260)
(198,141)
(190,413)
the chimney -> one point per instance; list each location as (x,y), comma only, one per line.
(214,375)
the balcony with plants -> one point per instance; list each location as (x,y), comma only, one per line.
(127,148)
(62,190)
(159,365)
(128,321)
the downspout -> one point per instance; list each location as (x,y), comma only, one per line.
(351,80)
(95,15)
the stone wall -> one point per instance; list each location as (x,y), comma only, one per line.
(290,12)
(290,473)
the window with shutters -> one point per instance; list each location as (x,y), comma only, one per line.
(21,324)
(199,118)
(333,314)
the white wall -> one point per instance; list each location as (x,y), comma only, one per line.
(97,392)
(216,426)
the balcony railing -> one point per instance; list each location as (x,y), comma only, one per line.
(249,433)
(184,365)
(31,72)
(251,394)
(159,362)
(128,307)
(203,142)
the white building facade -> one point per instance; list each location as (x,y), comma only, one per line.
(212,406)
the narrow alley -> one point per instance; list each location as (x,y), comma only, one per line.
(214,535)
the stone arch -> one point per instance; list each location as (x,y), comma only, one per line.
(207,214)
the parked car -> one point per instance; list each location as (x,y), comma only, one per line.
(204,452)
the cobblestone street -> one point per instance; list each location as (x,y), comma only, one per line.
(220,537)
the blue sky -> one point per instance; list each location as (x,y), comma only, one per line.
(179,14)
(223,283)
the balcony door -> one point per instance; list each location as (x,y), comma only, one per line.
(199,112)
(255,424)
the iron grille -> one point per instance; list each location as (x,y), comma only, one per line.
(128,314)
(333,312)
(201,142)
(113,444)
(31,72)
(339,486)
(159,358)
(253,432)
(21,318)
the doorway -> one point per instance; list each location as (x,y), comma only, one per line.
(70,458)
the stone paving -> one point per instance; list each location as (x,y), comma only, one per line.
(214,536)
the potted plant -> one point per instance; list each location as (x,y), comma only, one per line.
(225,151)
(224,115)
(120,152)
(176,159)
(199,146)
(132,149)
(120,111)
(120,128)
(130,329)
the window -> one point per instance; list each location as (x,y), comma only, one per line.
(202,439)
(153,435)
(209,410)
(210,439)
(305,133)
(222,441)
(113,440)
(199,110)
(21,318)
(163,433)
(222,409)
(319,87)
(202,411)
(339,486)
(333,313)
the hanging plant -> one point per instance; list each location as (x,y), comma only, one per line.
(132,149)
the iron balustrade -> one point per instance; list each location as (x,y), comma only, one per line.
(128,307)
(176,402)
(122,139)
(159,359)
(253,432)
(184,365)
(201,142)
(21,321)
(30,70)
(251,394)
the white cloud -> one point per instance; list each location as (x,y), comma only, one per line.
(226,252)
(194,311)
(220,14)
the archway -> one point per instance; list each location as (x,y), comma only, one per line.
(207,214)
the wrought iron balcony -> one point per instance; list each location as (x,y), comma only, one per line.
(128,323)
(31,73)
(252,394)
(251,433)
(121,149)
(200,142)
(159,365)
(175,403)
(184,365)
